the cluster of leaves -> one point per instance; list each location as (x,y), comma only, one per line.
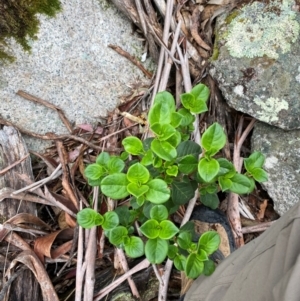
(162,173)
(19,21)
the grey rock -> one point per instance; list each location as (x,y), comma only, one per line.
(71,66)
(256,61)
(282,151)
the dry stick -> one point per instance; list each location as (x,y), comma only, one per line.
(132,59)
(6,169)
(257,228)
(140,11)
(65,176)
(166,31)
(233,213)
(141,266)
(62,137)
(90,256)
(167,68)
(79,271)
(125,267)
(49,105)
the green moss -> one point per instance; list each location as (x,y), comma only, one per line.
(19,21)
(231,16)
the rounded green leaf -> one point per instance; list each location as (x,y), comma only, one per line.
(184,240)
(213,139)
(187,117)
(182,192)
(133,145)
(167,229)
(134,247)
(111,220)
(259,175)
(88,218)
(186,148)
(208,169)
(175,139)
(194,266)
(172,251)
(159,212)
(209,267)
(137,190)
(115,186)
(240,184)
(150,228)
(176,119)
(103,158)
(225,183)
(188,164)
(164,150)
(209,242)
(156,250)
(138,174)
(227,169)
(180,262)
(255,160)
(117,235)
(200,92)
(163,131)
(94,171)
(147,158)
(115,165)
(158,192)
(210,200)
(172,171)
(196,106)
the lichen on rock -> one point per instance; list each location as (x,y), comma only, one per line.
(261,29)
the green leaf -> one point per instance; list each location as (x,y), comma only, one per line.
(209,242)
(180,262)
(209,267)
(159,212)
(138,174)
(226,168)
(172,171)
(172,251)
(156,250)
(103,159)
(224,183)
(150,228)
(167,229)
(213,139)
(88,218)
(158,192)
(194,266)
(188,148)
(123,214)
(95,182)
(188,164)
(208,169)
(196,106)
(148,157)
(182,192)
(157,162)
(184,240)
(124,156)
(175,139)
(200,92)
(137,190)
(240,184)
(117,235)
(134,247)
(164,150)
(188,227)
(94,171)
(162,109)
(187,117)
(141,200)
(115,186)
(259,175)
(133,145)
(163,131)
(111,220)
(255,160)
(176,119)
(147,143)
(115,165)
(210,200)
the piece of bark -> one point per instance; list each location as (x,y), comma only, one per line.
(13,148)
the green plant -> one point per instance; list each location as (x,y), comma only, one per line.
(19,21)
(162,173)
